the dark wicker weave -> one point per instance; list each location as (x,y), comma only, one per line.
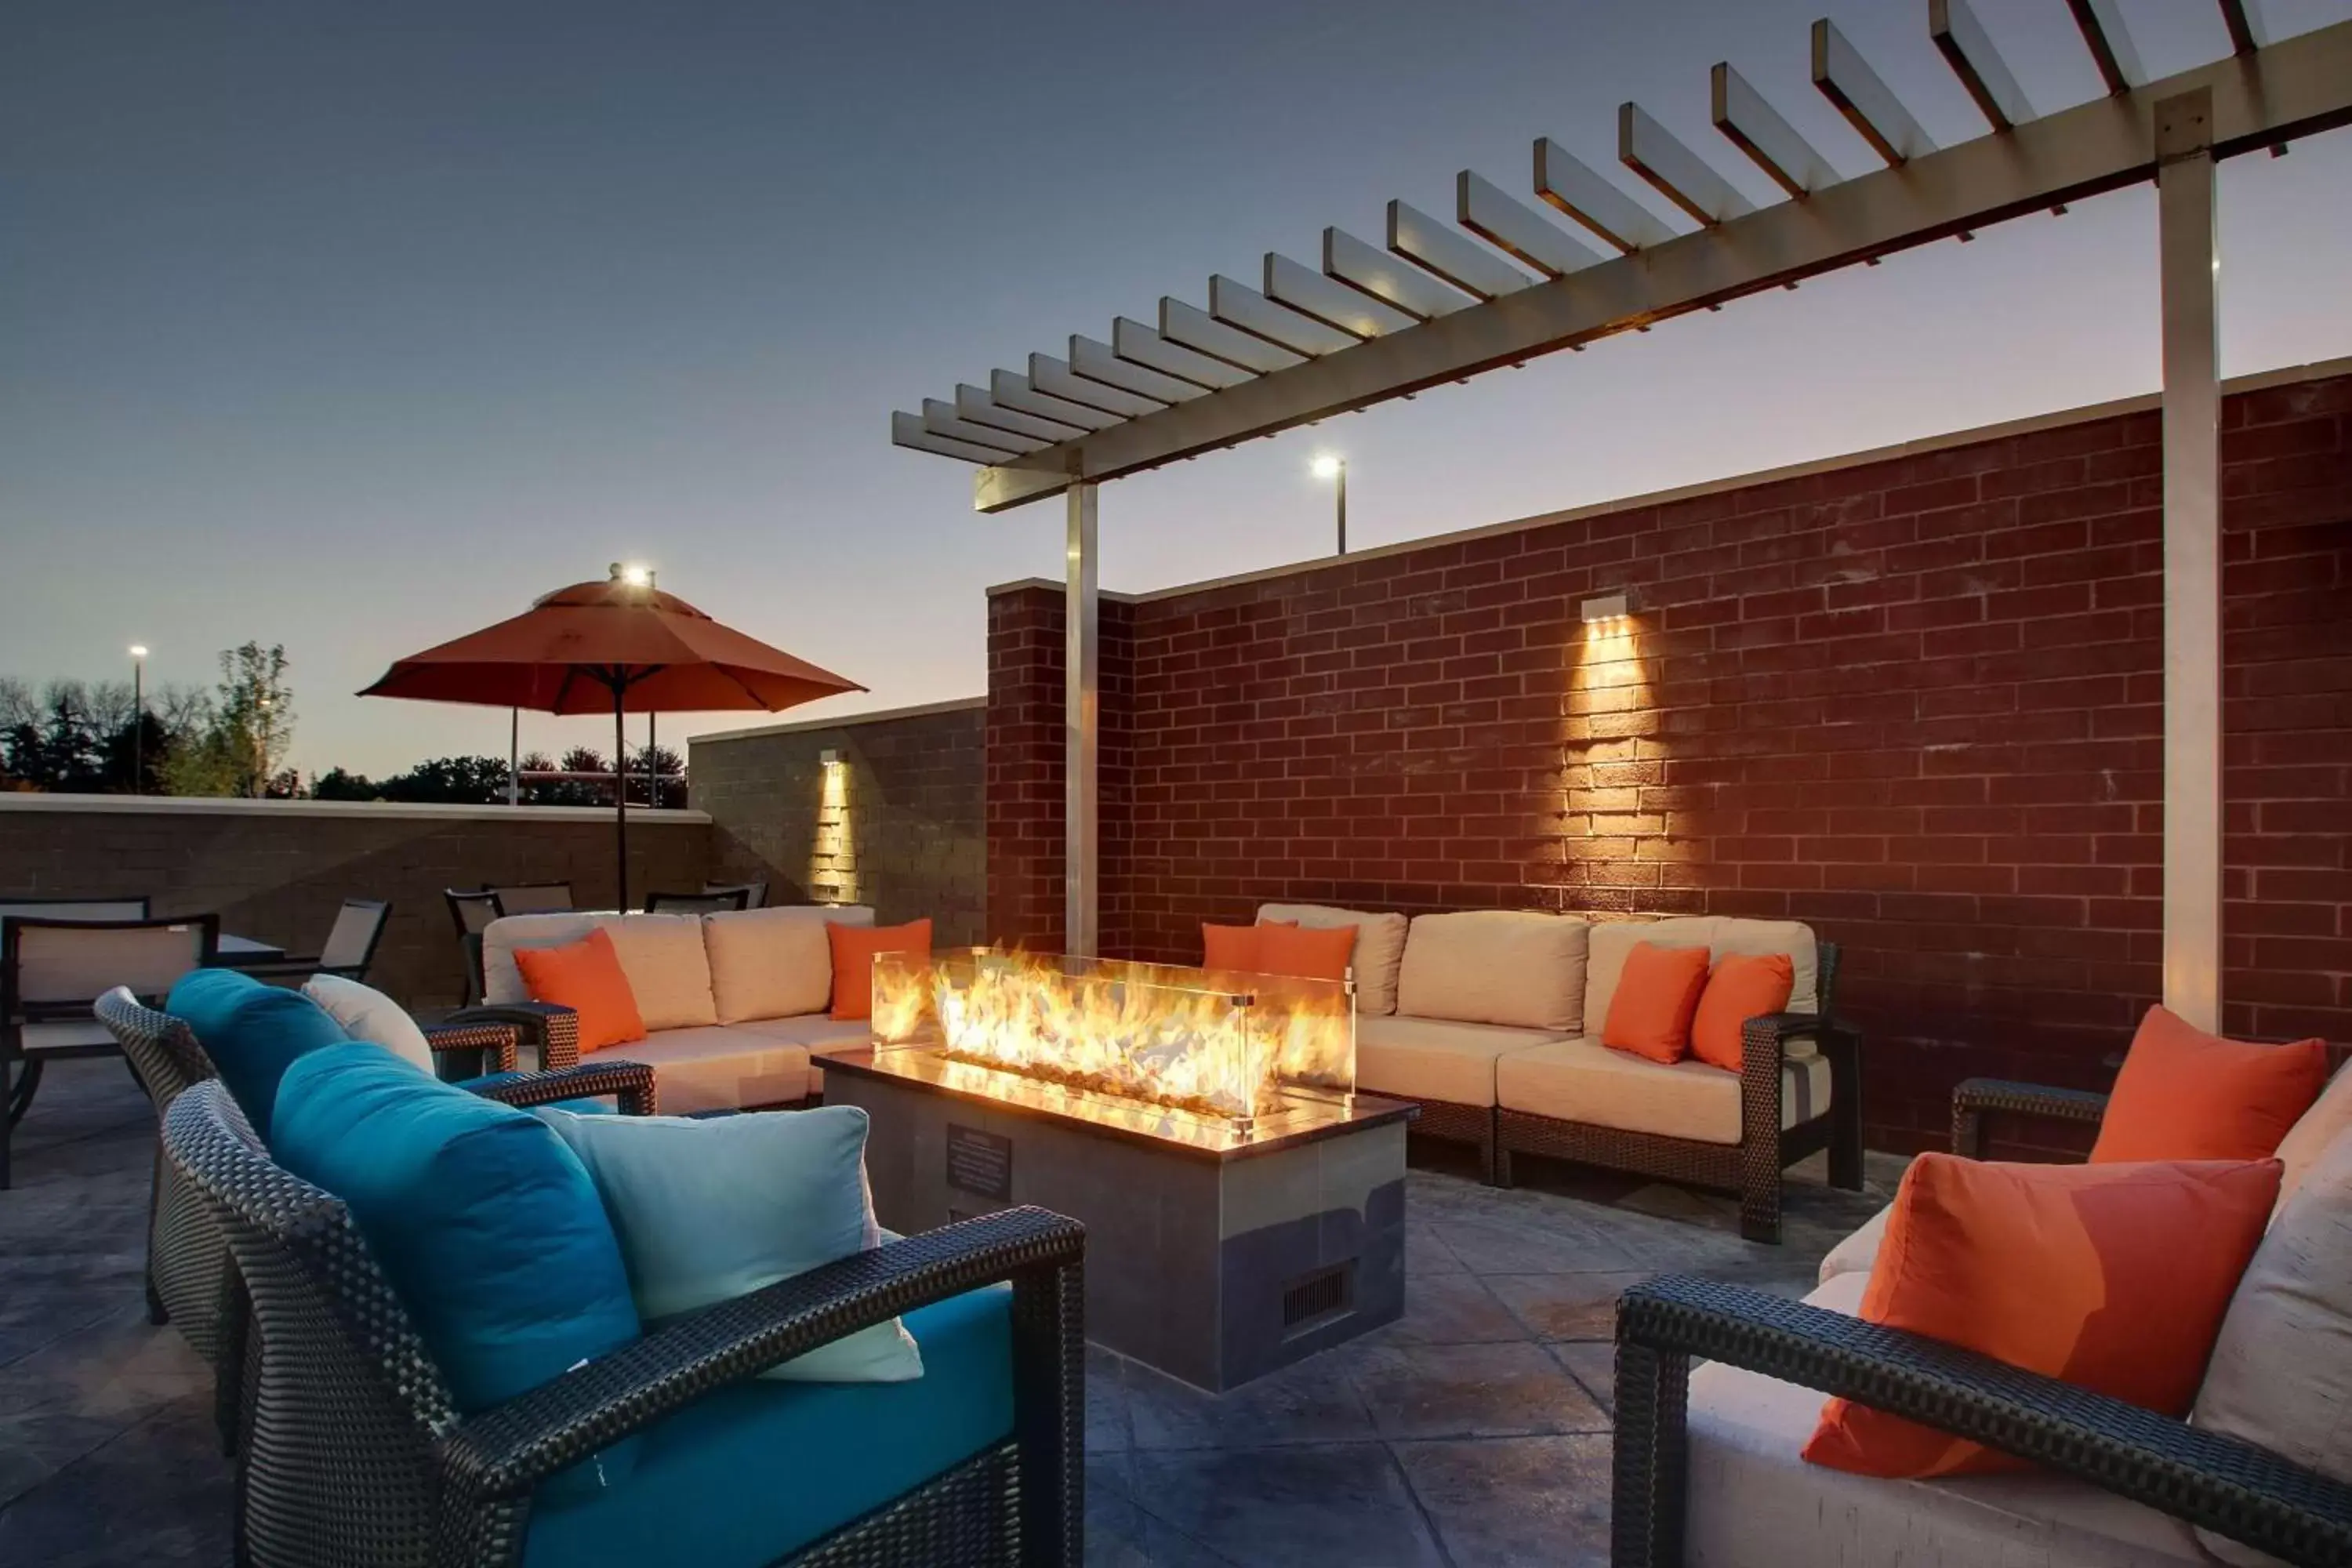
(356,1455)
(549,1028)
(1459,1124)
(1752,1166)
(2215,1482)
(1977,1098)
(188,1278)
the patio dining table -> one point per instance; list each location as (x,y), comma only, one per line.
(236,951)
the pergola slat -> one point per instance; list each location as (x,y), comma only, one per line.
(1238,305)
(1055,379)
(2248,32)
(1967,48)
(1355,311)
(907,431)
(1755,128)
(2111,48)
(1845,79)
(1094,360)
(975,407)
(1502,220)
(1139,344)
(1578,189)
(1401,288)
(1197,329)
(1464,263)
(941,418)
(1679,175)
(1007,390)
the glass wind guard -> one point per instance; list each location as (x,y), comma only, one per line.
(1229,1048)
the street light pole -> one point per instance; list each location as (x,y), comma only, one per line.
(1330,466)
(138,719)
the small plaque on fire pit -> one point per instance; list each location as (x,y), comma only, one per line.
(979,1162)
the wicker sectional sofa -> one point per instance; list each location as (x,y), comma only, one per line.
(735,1004)
(1491,1020)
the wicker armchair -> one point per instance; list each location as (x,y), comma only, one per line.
(357,1456)
(2217,1483)
(188,1278)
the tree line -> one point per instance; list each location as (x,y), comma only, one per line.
(77,737)
(98,738)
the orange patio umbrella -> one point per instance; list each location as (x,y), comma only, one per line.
(621,647)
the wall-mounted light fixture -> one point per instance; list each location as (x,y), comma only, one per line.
(1609,606)
(828,758)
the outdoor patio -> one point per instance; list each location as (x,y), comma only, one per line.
(1474,1431)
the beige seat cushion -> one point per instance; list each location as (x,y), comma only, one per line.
(1521,969)
(63,1035)
(1613,941)
(719,1067)
(819,1034)
(774,962)
(1434,1059)
(1379,948)
(1584,1080)
(2281,1375)
(1858,1252)
(662,956)
(1753,1503)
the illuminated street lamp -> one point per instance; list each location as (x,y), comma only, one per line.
(1330,466)
(138,717)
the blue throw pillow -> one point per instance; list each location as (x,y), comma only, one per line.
(252,1032)
(710,1210)
(483,1220)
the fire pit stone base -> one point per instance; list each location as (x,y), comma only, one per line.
(1213,1266)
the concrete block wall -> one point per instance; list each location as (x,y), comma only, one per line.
(898,824)
(279,871)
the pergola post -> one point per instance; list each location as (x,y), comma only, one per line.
(1082,730)
(2190,267)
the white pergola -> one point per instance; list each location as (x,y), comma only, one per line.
(1504,282)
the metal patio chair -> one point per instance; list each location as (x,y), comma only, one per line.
(52,973)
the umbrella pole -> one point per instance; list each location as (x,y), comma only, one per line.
(621,791)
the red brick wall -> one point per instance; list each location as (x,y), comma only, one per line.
(1915,702)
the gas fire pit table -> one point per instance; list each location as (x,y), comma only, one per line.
(1212,1254)
(1243,1205)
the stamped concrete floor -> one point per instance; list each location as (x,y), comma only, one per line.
(1474,1432)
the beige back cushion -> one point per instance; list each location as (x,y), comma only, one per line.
(1521,969)
(1379,948)
(83,962)
(774,963)
(1613,941)
(662,955)
(2323,1124)
(2281,1375)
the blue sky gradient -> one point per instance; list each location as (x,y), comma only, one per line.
(354,328)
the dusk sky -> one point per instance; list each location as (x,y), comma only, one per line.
(354,328)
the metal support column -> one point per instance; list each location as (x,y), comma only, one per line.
(1082,731)
(2190,264)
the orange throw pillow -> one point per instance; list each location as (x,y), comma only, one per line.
(2184,1094)
(1314,953)
(1656,995)
(1235,948)
(2112,1277)
(586,976)
(1744,986)
(854,948)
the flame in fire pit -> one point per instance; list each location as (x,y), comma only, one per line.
(1219,1044)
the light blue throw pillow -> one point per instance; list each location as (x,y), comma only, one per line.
(710,1210)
